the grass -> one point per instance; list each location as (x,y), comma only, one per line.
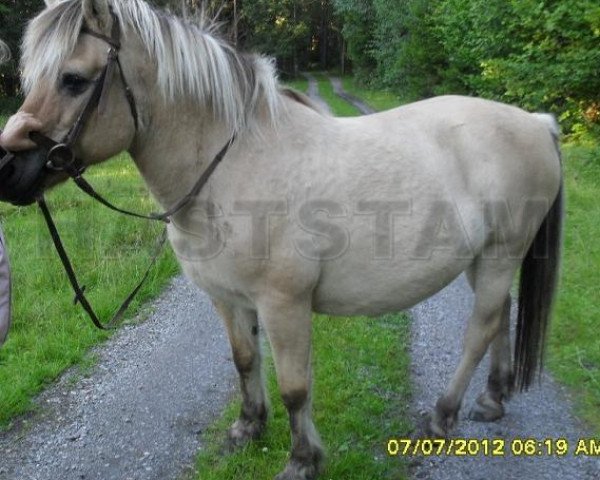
(378,99)
(300,84)
(574,353)
(361,397)
(109,251)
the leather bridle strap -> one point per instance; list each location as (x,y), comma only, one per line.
(165,217)
(114,41)
(198,185)
(76,174)
(79,290)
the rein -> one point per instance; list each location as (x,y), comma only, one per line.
(61,158)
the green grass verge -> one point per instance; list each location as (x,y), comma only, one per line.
(361,397)
(109,251)
(378,99)
(338,105)
(300,84)
(574,354)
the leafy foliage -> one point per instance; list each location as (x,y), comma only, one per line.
(539,54)
(358,20)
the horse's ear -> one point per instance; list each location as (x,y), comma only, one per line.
(97,15)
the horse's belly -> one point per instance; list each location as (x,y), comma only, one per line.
(380,288)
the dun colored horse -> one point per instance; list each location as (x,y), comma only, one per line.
(307,212)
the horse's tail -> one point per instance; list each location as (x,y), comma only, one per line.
(539,275)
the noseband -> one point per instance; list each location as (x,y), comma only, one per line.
(61,158)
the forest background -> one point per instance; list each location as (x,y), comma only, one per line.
(543,55)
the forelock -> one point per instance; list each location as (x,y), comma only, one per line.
(50,39)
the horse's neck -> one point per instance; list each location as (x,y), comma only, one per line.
(175,148)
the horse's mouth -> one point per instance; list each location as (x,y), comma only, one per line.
(23,177)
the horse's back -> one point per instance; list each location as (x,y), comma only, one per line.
(494,148)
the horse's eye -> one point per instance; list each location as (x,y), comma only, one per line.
(74,84)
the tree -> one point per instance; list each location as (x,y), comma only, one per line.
(409,55)
(541,55)
(13,18)
(358,23)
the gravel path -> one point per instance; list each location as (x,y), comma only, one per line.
(313,91)
(543,412)
(357,102)
(139,413)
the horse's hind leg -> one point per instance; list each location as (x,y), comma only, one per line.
(488,406)
(492,279)
(242,328)
(288,324)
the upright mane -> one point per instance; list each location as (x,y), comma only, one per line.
(193,63)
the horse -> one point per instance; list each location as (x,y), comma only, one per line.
(307,212)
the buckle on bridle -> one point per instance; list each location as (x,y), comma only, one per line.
(60,158)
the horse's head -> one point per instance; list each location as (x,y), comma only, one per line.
(69,89)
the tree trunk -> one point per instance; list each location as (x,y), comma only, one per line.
(323,36)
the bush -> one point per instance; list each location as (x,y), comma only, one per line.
(539,54)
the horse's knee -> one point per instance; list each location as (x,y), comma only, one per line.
(294,399)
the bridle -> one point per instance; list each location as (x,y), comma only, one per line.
(61,158)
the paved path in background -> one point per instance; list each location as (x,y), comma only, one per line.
(139,414)
(543,412)
(357,102)
(313,91)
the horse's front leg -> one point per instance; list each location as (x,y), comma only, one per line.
(288,323)
(242,328)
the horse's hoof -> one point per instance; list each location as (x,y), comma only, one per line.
(294,470)
(443,420)
(435,429)
(242,432)
(486,409)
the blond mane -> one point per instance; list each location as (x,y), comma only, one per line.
(193,63)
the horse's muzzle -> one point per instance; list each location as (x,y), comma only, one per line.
(22,175)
